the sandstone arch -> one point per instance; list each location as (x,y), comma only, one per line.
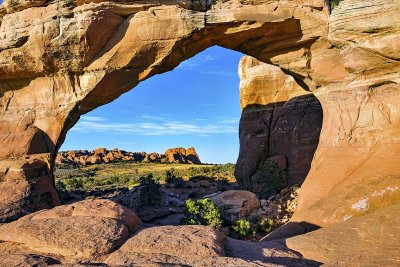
(61,59)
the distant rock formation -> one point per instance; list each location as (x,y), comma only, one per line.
(102,155)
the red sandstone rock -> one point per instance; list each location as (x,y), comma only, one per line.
(85,229)
(101,155)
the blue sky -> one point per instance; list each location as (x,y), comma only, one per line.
(196,104)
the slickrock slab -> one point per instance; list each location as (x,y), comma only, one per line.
(190,240)
(87,229)
(370,240)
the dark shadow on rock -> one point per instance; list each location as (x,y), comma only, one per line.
(289,230)
(41,143)
(288,129)
(274,252)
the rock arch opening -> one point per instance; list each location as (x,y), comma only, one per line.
(134,45)
(194,105)
(280,124)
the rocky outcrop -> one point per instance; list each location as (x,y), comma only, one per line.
(181,155)
(280,120)
(86,229)
(90,232)
(102,155)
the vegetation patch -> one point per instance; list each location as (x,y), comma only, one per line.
(202,212)
(149,191)
(269,179)
(244,229)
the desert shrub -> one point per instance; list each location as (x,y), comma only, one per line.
(202,212)
(264,225)
(149,191)
(73,184)
(269,179)
(242,229)
(60,186)
(333,4)
(171,177)
(227,169)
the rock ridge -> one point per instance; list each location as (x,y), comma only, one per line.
(102,155)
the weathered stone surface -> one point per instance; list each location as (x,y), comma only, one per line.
(172,242)
(355,168)
(235,204)
(199,246)
(279,118)
(369,240)
(85,229)
(267,254)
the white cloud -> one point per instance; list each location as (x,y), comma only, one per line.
(221,73)
(92,118)
(197,61)
(156,127)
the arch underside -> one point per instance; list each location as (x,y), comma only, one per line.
(59,60)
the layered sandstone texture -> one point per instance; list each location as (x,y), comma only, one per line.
(102,155)
(61,59)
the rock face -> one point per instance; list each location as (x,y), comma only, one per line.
(365,241)
(279,120)
(61,59)
(86,229)
(181,155)
(102,155)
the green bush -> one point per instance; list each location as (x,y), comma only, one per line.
(171,177)
(242,229)
(149,191)
(202,212)
(73,184)
(264,225)
(269,179)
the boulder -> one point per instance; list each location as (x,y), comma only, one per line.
(200,246)
(181,155)
(87,229)
(235,204)
(189,240)
(181,245)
